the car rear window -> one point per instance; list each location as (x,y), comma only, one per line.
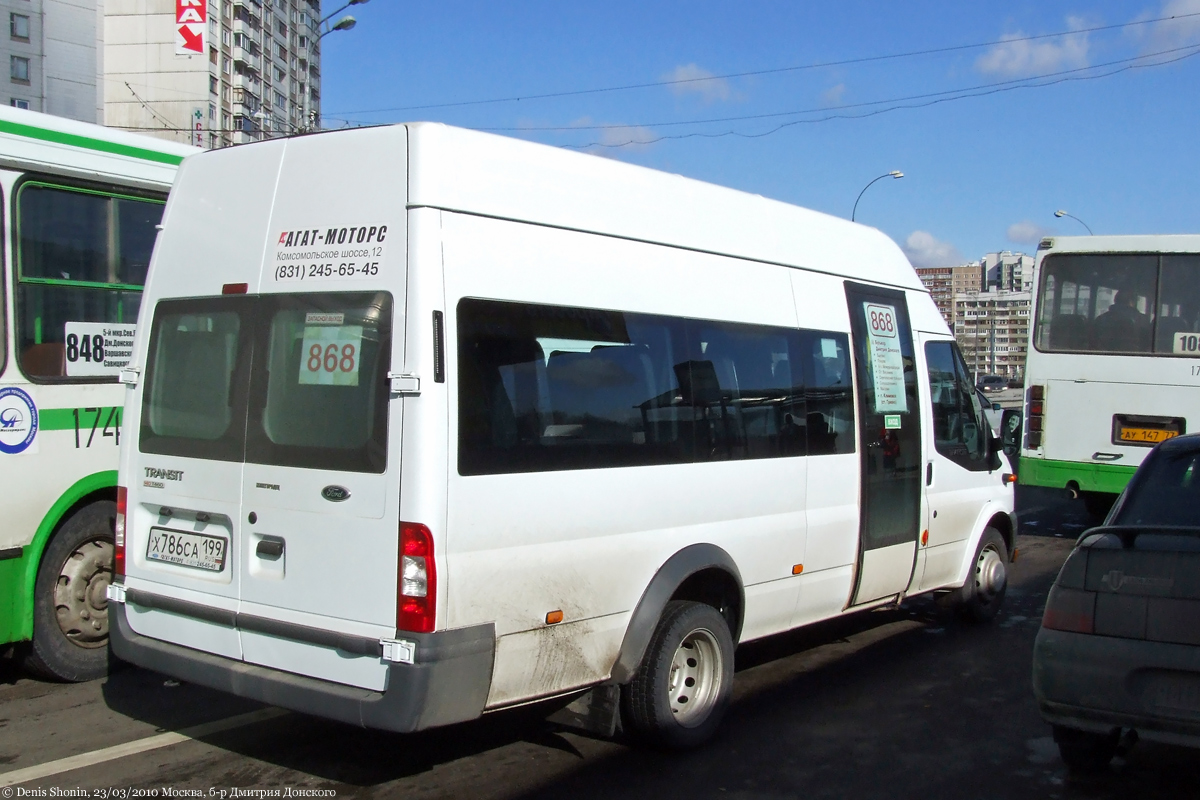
(1166,491)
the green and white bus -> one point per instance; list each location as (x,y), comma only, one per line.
(1114,361)
(81,204)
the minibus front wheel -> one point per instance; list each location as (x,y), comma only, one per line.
(684,683)
(987,579)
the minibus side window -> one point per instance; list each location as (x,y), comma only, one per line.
(194,402)
(551,388)
(82,257)
(829,393)
(960,432)
(748,390)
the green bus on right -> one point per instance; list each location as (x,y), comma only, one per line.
(1114,359)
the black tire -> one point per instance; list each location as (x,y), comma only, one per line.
(70,609)
(987,581)
(1097,504)
(692,646)
(1084,751)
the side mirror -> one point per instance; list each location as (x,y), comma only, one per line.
(996,407)
(1011,425)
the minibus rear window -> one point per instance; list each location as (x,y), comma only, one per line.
(289,380)
(194,401)
(320,380)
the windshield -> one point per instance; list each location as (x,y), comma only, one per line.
(1165,491)
(1116,303)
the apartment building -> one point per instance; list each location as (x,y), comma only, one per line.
(986,303)
(256,74)
(992,330)
(54,51)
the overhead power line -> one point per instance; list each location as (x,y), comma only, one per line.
(893,104)
(775,70)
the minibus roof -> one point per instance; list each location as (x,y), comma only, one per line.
(480,173)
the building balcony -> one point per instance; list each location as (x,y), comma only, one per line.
(246,59)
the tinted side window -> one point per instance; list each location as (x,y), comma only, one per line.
(547,388)
(82,258)
(829,393)
(747,391)
(550,388)
(959,431)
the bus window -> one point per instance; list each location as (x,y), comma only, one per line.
(82,258)
(1101,303)
(1178,329)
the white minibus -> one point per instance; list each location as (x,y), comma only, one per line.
(429,423)
(81,203)
(1113,363)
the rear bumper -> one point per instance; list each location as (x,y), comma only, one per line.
(1105,478)
(448,683)
(1098,683)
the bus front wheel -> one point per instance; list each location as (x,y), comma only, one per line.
(70,607)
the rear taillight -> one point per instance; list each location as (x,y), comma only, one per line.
(1070,610)
(1037,408)
(119,534)
(416,584)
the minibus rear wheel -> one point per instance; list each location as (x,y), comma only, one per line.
(684,683)
(70,607)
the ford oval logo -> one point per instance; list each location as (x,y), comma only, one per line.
(335,494)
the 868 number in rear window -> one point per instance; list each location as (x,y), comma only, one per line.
(195,550)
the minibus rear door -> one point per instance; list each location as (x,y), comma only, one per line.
(320,488)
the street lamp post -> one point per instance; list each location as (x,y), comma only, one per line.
(343,24)
(1060,213)
(893,174)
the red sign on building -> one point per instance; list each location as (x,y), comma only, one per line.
(191,27)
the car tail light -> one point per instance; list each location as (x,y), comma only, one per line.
(1037,409)
(119,534)
(1070,610)
(416,583)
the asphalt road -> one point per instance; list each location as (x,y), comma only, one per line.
(902,703)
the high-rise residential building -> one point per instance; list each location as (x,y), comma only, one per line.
(992,330)
(53,50)
(986,304)
(940,283)
(1007,271)
(256,74)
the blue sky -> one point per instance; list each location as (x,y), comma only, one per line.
(982,173)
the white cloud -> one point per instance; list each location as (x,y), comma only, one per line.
(1012,58)
(833,95)
(692,79)
(1170,33)
(925,250)
(1027,232)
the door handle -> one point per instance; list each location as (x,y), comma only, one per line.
(1098,456)
(269,548)
(929,474)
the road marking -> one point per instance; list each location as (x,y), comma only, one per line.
(134,747)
